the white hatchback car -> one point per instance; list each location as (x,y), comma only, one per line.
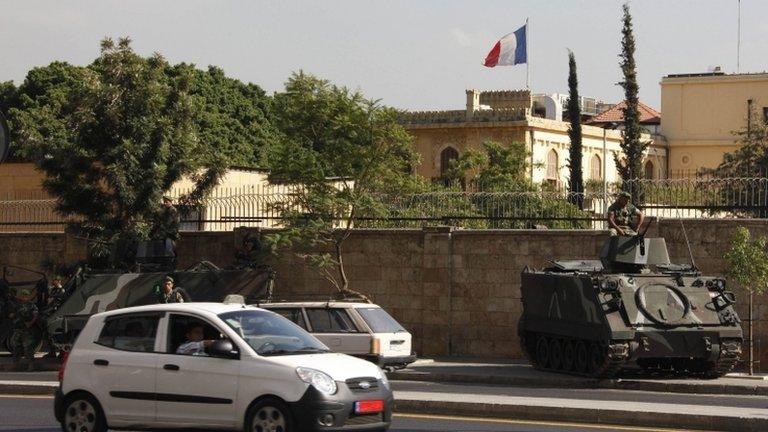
(213,365)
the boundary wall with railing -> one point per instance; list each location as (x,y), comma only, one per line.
(257,206)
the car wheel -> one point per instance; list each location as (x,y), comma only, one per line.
(82,413)
(269,415)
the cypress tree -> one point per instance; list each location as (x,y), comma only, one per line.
(576,183)
(630,168)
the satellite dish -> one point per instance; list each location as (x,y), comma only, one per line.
(5,138)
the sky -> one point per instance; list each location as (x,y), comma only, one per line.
(410,54)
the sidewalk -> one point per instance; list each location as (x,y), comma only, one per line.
(518,374)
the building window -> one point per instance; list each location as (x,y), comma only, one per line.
(649,170)
(446,156)
(596,168)
(552,165)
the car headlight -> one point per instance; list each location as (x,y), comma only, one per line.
(319,380)
(384,380)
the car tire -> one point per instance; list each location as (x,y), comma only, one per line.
(83,413)
(269,415)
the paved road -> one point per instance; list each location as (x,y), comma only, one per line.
(604,396)
(34,414)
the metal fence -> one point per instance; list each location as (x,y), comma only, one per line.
(257,206)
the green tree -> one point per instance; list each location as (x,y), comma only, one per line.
(7,95)
(342,153)
(630,167)
(495,168)
(505,197)
(234,120)
(748,266)
(111,139)
(576,180)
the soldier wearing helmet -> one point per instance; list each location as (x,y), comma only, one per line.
(621,214)
(169,294)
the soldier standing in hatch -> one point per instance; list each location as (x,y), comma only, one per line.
(168,294)
(167,224)
(25,332)
(620,215)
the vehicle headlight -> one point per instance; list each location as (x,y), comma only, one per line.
(384,380)
(319,380)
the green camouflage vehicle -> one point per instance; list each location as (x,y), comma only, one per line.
(632,308)
(98,292)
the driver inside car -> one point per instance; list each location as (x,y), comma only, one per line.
(195,344)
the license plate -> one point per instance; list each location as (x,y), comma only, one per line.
(369,407)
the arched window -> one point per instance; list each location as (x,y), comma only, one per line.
(552,165)
(596,168)
(649,170)
(446,156)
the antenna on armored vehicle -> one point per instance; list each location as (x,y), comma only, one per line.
(688,244)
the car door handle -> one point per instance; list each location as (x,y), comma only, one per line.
(171,367)
(101,362)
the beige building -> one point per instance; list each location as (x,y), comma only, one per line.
(701,112)
(243,197)
(507,116)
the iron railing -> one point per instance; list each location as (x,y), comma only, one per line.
(258,206)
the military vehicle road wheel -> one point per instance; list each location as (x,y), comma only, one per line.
(582,357)
(542,351)
(569,355)
(555,354)
(597,357)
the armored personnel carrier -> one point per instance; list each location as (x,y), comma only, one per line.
(630,308)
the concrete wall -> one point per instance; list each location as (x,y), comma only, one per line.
(457,291)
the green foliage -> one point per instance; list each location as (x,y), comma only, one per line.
(342,152)
(495,168)
(234,119)
(576,179)
(630,167)
(748,261)
(505,198)
(111,139)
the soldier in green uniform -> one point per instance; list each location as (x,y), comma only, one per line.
(26,334)
(166,227)
(621,214)
(167,224)
(169,294)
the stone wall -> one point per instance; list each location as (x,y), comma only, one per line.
(457,291)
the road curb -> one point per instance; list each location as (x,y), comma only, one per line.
(28,388)
(583,415)
(610,384)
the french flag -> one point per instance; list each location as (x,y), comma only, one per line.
(510,50)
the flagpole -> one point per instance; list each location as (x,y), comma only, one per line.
(738,42)
(528,55)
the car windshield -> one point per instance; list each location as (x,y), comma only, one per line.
(270,334)
(380,321)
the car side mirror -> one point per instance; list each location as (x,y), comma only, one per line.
(224,348)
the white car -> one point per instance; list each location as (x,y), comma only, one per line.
(363,330)
(215,366)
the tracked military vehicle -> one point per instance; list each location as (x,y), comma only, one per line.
(99,292)
(631,308)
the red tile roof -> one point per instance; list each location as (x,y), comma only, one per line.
(615,114)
